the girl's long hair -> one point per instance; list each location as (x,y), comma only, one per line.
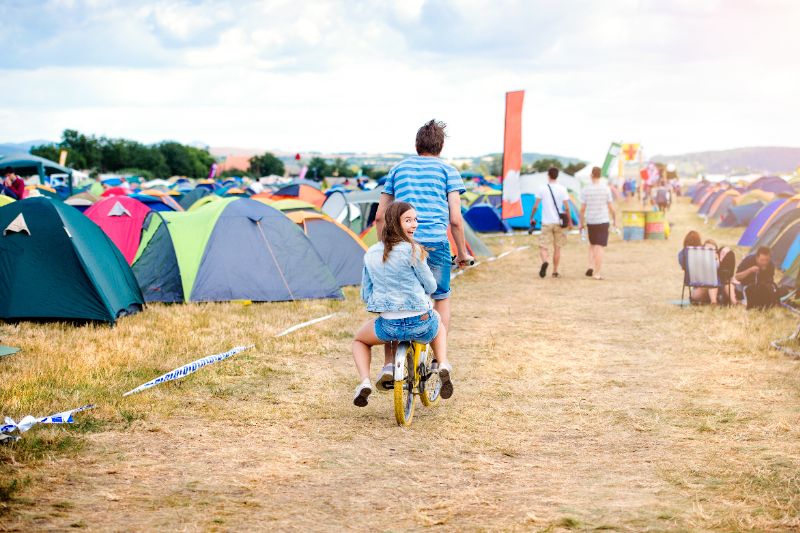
(692,239)
(393,231)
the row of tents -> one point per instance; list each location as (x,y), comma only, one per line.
(769,211)
(120,253)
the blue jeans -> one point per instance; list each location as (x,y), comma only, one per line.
(408,329)
(440,261)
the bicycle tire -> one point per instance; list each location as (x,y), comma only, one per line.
(429,383)
(404,388)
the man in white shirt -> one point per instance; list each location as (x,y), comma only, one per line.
(554,200)
(596,204)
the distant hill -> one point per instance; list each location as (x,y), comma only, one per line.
(763,160)
(20,148)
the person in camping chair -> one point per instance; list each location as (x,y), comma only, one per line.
(756,273)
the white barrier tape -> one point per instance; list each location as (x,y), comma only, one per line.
(64,417)
(306,324)
(189,368)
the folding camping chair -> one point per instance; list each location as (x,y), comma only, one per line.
(701,270)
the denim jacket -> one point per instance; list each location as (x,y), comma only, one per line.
(402,283)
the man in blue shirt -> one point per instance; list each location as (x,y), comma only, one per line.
(433,187)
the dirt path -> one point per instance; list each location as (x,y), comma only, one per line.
(579,405)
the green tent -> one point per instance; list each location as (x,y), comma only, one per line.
(57,264)
(230,249)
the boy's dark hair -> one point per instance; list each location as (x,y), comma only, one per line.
(552,173)
(763,250)
(8,170)
(430,137)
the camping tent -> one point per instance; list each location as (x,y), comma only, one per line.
(367,203)
(158,202)
(301,191)
(289,205)
(193,196)
(121,218)
(773,230)
(773,184)
(82,201)
(57,264)
(724,202)
(740,215)
(530,183)
(485,218)
(341,249)
(708,203)
(750,235)
(338,208)
(524,220)
(207,199)
(232,249)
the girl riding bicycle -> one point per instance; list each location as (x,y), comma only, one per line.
(396,283)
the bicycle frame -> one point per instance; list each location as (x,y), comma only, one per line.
(400,361)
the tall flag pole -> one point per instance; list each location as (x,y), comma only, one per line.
(512,155)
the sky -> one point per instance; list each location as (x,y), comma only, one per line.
(350,75)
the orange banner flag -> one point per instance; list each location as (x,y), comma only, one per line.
(512,155)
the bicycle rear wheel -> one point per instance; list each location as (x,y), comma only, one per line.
(404,387)
(429,383)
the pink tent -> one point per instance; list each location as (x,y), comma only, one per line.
(121,218)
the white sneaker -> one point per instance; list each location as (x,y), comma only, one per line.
(444,377)
(386,379)
(361,397)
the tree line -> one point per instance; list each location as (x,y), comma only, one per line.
(495,166)
(102,154)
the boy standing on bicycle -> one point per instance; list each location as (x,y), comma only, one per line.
(433,188)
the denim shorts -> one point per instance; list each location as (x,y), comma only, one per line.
(408,329)
(441,262)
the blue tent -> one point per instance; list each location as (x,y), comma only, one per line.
(741,215)
(524,221)
(485,218)
(750,235)
(232,249)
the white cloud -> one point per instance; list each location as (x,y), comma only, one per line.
(361,75)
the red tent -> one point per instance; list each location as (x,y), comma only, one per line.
(121,218)
(115,191)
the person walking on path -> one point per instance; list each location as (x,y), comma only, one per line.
(434,189)
(556,218)
(596,205)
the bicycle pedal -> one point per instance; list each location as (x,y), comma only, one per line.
(388,385)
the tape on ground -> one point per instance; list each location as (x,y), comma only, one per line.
(10,426)
(187,369)
(306,324)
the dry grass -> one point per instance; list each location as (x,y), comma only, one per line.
(580,405)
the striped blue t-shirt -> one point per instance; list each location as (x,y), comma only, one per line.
(425,182)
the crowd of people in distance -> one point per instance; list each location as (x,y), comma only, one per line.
(657,192)
(752,282)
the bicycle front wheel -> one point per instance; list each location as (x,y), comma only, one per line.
(404,387)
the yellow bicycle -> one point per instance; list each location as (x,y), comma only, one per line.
(414,376)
